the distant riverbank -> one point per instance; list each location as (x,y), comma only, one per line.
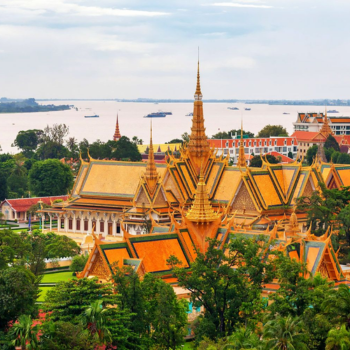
(30,106)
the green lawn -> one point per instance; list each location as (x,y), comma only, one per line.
(57,277)
(188,346)
(43,291)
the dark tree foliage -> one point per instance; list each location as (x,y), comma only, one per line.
(5,157)
(157,317)
(301,295)
(3,185)
(311,153)
(228,283)
(50,178)
(78,263)
(66,336)
(331,142)
(272,130)
(28,141)
(231,133)
(50,150)
(68,300)
(18,294)
(126,150)
(176,141)
(256,161)
(324,207)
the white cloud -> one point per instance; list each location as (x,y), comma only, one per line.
(239,62)
(235,4)
(69,8)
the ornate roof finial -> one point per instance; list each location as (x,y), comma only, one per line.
(198,145)
(326,129)
(151,173)
(201,210)
(198,93)
(241,162)
(117,135)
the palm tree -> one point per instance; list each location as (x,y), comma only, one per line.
(19,169)
(24,334)
(285,333)
(338,339)
(94,317)
(243,339)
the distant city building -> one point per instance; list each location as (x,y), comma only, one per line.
(307,138)
(255,146)
(277,146)
(313,122)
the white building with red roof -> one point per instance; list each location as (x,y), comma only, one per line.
(16,209)
(255,146)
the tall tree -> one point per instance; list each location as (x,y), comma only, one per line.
(28,141)
(50,178)
(226,292)
(94,317)
(311,153)
(68,300)
(3,185)
(18,294)
(272,130)
(126,150)
(256,161)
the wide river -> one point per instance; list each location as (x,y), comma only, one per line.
(132,123)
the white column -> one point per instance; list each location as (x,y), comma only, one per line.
(50,215)
(59,223)
(106,224)
(74,221)
(89,223)
(97,218)
(66,223)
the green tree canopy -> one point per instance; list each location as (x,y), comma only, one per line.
(229,134)
(311,153)
(331,142)
(256,161)
(28,141)
(226,293)
(78,263)
(18,294)
(126,150)
(272,130)
(50,178)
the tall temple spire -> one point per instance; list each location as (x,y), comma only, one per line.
(241,161)
(326,129)
(117,135)
(151,173)
(201,210)
(198,145)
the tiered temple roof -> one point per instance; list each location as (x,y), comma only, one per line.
(198,196)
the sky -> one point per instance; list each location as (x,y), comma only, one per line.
(249,49)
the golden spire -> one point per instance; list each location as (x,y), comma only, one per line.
(201,211)
(117,135)
(198,93)
(326,129)
(151,173)
(198,145)
(241,162)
